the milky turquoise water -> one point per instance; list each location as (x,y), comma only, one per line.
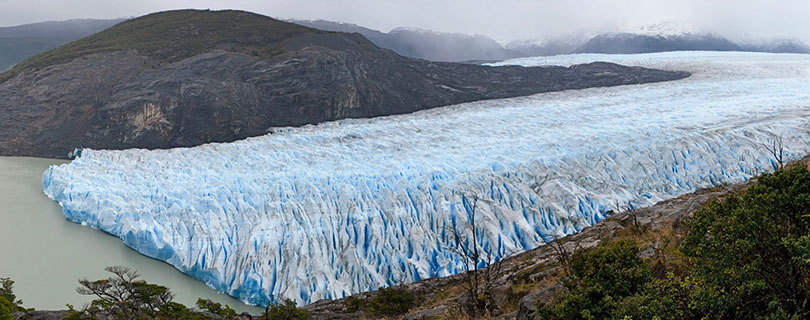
(46,255)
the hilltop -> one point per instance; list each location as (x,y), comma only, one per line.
(173,36)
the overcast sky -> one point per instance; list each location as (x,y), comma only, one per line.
(503,20)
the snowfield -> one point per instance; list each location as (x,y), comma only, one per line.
(329,210)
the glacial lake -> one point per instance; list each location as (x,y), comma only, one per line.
(46,255)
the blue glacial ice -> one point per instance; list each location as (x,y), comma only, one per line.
(333,209)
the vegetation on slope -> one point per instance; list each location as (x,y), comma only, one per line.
(175,35)
(746,257)
(8,301)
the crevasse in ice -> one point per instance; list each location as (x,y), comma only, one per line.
(329,210)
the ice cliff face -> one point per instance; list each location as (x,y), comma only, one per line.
(328,210)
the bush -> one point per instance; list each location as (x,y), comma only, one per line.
(600,277)
(664,299)
(216,308)
(6,309)
(748,257)
(754,248)
(8,301)
(353,304)
(391,302)
(285,311)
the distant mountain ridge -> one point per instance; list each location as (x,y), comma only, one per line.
(628,43)
(660,37)
(20,42)
(424,44)
(778,45)
(667,36)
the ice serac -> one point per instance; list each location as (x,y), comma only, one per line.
(329,210)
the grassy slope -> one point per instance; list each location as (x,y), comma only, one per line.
(175,35)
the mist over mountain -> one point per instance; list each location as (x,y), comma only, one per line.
(425,44)
(626,43)
(20,42)
(660,37)
(782,45)
(561,44)
(681,36)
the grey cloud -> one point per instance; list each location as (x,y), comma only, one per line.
(503,20)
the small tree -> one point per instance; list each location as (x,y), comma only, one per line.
(471,254)
(124,296)
(562,254)
(481,271)
(777,151)
(8,301)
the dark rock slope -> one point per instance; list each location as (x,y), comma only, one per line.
(185,78)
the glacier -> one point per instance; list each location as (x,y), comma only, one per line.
(329,210)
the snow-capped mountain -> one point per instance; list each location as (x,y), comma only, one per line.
(659,37)
(549,46)
(782,45)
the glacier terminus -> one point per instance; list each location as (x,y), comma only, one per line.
(329,210)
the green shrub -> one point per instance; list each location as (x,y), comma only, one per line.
(6,309)
(353,304)
(600,277)
(285,311)
(391,302)
(9,303)
(668,298)
(748,257)
(754,248)
(216,308)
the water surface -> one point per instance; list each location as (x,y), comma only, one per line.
(46,255)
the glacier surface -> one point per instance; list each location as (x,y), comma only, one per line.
(333,209)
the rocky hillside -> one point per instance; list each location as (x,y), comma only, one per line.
(184,78)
